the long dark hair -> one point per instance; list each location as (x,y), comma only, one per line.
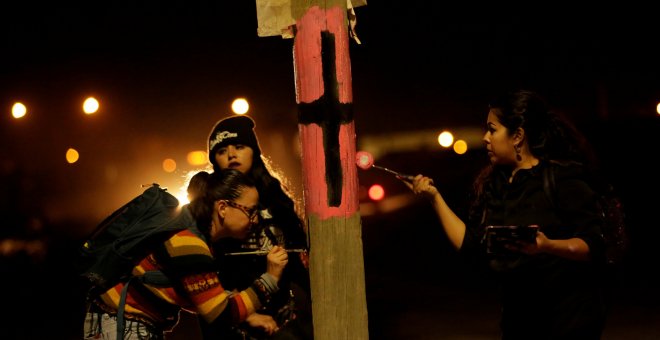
(277,198)
(550,136)
(220,185)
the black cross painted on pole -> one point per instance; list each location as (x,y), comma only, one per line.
(328,113)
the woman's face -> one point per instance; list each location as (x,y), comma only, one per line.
(499,143)
(237,216)
(237,157)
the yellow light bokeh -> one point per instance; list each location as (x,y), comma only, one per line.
(90,106)
(657,109)
(72,155)
(197,158)
(18,110)
(169,165)
(240,106)
(445,139)
(460,147)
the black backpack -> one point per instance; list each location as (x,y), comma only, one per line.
(611,209)
(122,239)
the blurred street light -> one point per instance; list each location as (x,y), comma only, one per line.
(460,147)
(18,110)
(72,155)
(376,192)
(197,158)
(445,139)
(169,165)
(90,106)
(240,106)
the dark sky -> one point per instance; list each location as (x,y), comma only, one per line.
(165,73)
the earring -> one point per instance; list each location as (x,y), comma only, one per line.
(518,156)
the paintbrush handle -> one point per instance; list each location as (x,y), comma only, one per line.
(263,252)
(399,175)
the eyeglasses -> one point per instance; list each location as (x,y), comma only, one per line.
(250,212)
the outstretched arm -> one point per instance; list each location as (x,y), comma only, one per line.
(453,226)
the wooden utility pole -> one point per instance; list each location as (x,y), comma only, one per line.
(327,136)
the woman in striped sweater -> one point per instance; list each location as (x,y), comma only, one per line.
(227,207)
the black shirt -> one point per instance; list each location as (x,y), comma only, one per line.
(552,297)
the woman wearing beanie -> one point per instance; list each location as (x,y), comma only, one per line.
(233,144)
(225,207)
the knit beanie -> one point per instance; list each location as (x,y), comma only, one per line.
(232,131)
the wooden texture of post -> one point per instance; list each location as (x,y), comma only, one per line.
(327,136)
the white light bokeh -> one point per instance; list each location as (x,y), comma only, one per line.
(90,106)
(240,106)
(445,139)
(18,110)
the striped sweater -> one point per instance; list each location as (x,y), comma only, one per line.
(192,284)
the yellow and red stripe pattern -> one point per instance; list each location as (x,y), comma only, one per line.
(187,261)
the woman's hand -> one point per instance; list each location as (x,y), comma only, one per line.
(422,185)
(530,248)
(265,322)
(277,260)
(533,248)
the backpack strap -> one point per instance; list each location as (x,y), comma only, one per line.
(120,310)
(154,277)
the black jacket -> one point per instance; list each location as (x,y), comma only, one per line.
(544,294)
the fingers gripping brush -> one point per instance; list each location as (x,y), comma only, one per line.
(365,161)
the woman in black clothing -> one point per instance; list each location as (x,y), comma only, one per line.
(550,283)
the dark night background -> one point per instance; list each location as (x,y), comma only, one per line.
(165,73)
